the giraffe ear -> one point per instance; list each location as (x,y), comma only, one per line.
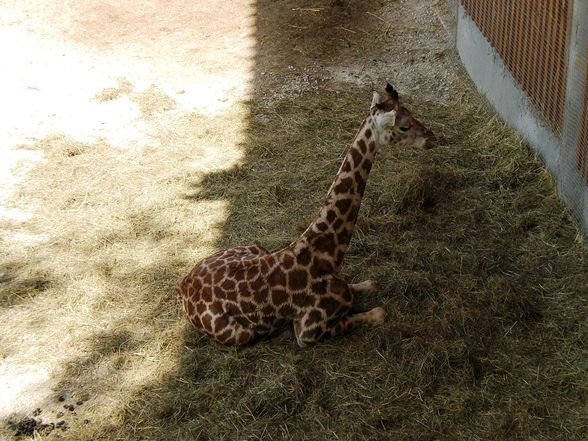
(385,120)
(389,118)
(376,99)
(391,92)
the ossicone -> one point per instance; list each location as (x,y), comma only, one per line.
(391,91)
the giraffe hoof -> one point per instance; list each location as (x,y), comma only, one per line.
(371,286)
(378,315)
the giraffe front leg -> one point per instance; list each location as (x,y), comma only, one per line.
(373,317)
(335,298)
(330,316)
(308,334)
(365,287)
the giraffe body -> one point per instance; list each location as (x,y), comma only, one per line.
(238,294)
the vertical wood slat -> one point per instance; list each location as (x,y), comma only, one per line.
(582,149)
(548,53)
(501,20)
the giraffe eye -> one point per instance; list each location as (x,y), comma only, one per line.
(404,128)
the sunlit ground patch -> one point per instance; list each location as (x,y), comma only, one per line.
(98,148)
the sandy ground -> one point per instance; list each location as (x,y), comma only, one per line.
(106,72)
(59,57)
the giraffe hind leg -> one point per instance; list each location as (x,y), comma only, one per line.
(365,287)
(373,317)
(306,335)
(234,334)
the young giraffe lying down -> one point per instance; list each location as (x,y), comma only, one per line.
(237,294)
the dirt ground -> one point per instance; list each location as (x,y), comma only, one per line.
(137,139)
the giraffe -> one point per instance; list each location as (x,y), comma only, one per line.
(241,293)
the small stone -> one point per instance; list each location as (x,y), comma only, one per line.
(61,398)
(59,414)
(61,423)
(74,413)
(86,421)
(79,402)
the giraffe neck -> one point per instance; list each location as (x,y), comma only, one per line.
(329,235)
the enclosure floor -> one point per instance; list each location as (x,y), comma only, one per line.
(136,140)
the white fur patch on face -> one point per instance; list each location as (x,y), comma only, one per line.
(385,120)
(376,99)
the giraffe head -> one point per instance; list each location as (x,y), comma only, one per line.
(395,125)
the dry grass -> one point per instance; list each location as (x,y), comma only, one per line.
(479,267)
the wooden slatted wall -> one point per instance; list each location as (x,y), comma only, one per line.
(582,157)
(531,36)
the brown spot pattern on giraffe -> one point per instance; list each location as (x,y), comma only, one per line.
(286,311)
(304,257)
(362,147)
(331,216)
(319,287)
(260,296)
(360,182)
(257,283)
(277,277)
(367,165)
(322,226)
(279,296)
(207,322)
(344,185)
(343,205)
(352,216)
(324,243)
(356,155)
(288,261)
(297,280)
(321,267)
(315,316)
(344,236)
